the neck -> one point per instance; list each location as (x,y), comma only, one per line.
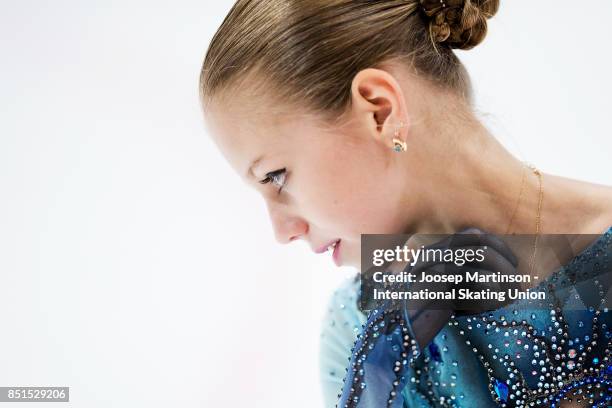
(475,182)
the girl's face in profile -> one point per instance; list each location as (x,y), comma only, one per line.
(320,185)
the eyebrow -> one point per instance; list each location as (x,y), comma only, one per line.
(253,164)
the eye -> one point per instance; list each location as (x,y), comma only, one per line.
(277,177)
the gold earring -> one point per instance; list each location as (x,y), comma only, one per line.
(398,144)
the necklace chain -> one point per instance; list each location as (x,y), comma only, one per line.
(538,216)
(518,201)
(538,220)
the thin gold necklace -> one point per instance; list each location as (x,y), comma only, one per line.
(518,201)
(538,213)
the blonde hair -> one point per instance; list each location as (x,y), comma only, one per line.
(308,51)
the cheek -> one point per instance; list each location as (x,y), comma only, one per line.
(355,198)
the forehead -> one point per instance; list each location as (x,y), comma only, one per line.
(244,132)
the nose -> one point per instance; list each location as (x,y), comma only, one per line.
(287,227)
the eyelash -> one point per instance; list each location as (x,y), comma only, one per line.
(271,177)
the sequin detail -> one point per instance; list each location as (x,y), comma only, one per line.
(531,358)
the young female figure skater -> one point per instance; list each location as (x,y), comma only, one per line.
(355,116)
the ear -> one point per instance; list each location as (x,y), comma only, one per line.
(378,101)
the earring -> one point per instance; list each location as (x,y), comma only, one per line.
(398,144)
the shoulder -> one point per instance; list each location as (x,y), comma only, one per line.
(600,220)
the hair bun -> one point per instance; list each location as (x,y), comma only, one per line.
(459,24)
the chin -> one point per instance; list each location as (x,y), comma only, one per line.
(349,260)
(352,264)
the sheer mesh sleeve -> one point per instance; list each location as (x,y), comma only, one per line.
(340,327)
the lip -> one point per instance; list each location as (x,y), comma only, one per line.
(336,254)
(324,247)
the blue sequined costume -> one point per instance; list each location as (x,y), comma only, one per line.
(511,357)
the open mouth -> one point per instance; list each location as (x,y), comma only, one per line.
(336,252)
(332,246)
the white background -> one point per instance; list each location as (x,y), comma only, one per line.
(122,231)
